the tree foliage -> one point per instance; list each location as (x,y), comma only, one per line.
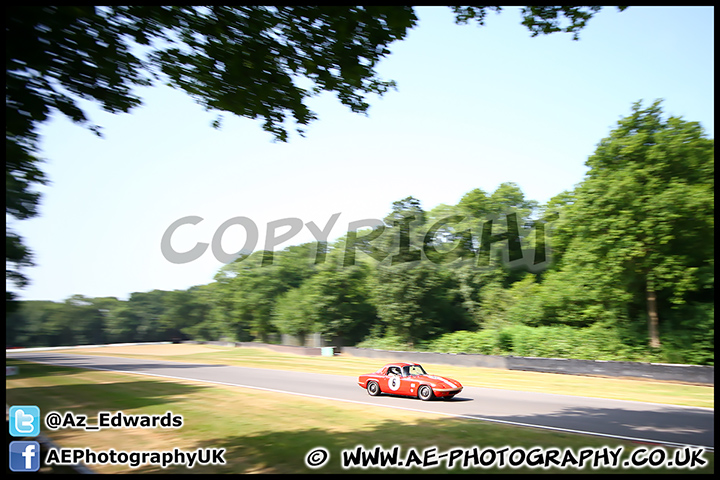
(632,244)
(641,225)
(589,304)
(252,61)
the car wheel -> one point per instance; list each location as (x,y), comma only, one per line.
(373,389)
(425,392)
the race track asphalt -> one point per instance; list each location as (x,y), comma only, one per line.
(638,421)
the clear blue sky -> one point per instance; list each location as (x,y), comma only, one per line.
(475,107)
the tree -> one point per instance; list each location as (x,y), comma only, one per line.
(249,61)
(183,309)
(217,319)
(254,286)
(295,313)
(31,325)
(416,302)
(641,224)
(344,311)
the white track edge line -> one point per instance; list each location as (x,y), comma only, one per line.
(456,415)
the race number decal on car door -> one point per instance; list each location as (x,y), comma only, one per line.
(394,383)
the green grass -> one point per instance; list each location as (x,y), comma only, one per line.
(270,433)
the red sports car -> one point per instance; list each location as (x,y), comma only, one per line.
(409,379)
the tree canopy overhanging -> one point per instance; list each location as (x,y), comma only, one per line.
(243,60)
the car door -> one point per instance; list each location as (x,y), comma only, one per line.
(393,383)
(398,385)
(408,384)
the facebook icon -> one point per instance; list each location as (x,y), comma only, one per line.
(24,456)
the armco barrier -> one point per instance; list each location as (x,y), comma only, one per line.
(699,374)
(465,360)
(311,351)
(702,374)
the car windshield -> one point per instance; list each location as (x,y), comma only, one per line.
(413,370)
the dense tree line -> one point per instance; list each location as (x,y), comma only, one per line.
(241,60)
(627,263)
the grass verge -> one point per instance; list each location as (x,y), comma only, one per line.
(273,433)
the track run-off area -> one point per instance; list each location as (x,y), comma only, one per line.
(651,423)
